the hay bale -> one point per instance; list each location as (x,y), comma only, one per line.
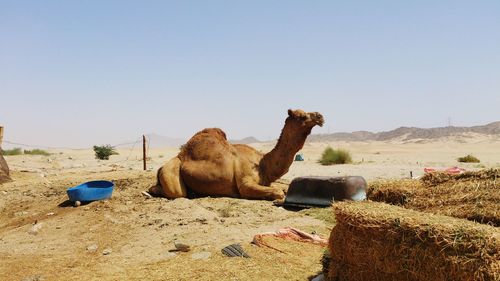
(4,170)
(393,192)
(435,178)
(472,195)
(377,241)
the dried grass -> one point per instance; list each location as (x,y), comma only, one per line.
(472,195)
(377,241)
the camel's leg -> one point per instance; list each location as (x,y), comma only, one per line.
(281,185)
(170,184)
(249,189)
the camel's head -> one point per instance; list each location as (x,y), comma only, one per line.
(306,119)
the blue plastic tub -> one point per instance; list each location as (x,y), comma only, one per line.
(91,191)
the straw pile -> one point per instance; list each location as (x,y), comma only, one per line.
(377,241)
(472,195)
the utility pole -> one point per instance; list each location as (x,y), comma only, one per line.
(144,151)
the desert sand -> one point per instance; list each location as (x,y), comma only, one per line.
(129,237)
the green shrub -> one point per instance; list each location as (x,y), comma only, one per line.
(104,151)
(468,159)
(332,156)
(14,151)
(36,152)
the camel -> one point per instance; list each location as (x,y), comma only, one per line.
(208,165)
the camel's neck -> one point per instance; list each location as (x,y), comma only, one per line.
(275,163)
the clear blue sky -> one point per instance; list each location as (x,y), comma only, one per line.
(79,73)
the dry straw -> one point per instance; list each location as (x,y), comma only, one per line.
(472,195)
(377,241)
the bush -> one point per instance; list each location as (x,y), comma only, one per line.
(335,156)
(468,159)
(104,151)
(14,151)
(37,152)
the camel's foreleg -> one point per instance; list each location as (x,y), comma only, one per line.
(249,189)
(170,184)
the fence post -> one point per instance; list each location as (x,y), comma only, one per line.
(144,151)
(4,168)
(1,136)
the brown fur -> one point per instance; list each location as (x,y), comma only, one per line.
(209,165)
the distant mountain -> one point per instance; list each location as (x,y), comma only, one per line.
(156,140)
(246,140)
(409,133)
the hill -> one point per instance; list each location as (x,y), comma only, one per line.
(246,140)
(409,133)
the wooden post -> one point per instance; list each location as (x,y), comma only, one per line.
(144,151)
(4,168)
(1,136)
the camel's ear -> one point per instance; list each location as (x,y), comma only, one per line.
(297,114)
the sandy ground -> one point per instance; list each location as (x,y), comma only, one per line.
(129,237)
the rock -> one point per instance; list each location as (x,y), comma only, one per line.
(35,229)
(51,214)
(168,255)
(202,220)
(107,251)
(182,247)
(20,214)
(201,256)
(92,248)
(34,278)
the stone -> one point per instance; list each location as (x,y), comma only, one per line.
(107,251)
(201,256)
(168,255)
(20,214)
(35,229)
(182,247)
(34,278)
(92,248)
